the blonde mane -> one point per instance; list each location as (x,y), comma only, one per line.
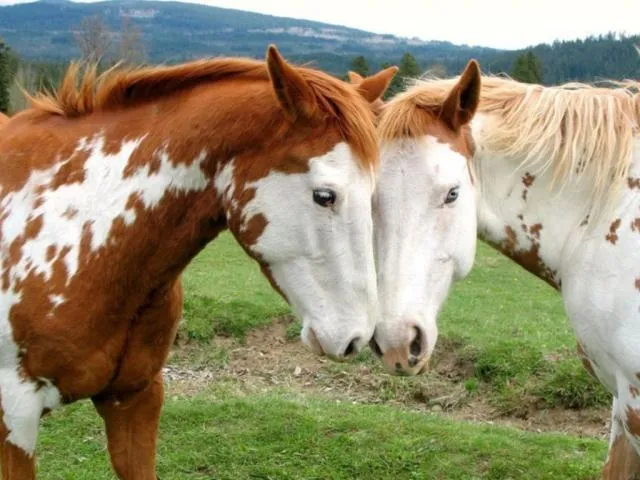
(120,87)
(580,131)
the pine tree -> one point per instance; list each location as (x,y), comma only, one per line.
(527,68)
(4,77)
(535,67)
(360,66)
(409,67)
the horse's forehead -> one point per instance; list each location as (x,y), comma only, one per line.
(460,142)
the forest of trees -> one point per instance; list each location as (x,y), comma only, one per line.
(5,77)
(94,40)
(607,56)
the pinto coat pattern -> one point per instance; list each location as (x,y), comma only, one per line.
(110,188)
(549,176)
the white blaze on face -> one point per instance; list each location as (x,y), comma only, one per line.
(321,257)
(425,236)
(97,202)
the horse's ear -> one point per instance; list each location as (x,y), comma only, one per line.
(292,91)
(462,102)
(354,77)
(372,88)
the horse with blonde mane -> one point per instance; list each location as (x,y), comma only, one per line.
(550,176)
(111,187)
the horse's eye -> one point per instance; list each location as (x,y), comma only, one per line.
(452,196)
(324,197)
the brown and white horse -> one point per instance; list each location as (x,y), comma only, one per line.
(110,188)
(548,175)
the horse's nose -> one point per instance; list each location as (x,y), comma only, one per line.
(407,357)
(335,349)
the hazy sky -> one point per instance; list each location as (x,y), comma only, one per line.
(493,23)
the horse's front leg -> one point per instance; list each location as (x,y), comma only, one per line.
(21,409)
(131,422)
(623,462)
(17,464)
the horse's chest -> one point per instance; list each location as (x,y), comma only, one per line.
(149,339)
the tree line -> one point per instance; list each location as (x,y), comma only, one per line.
(544,64)
(95,41)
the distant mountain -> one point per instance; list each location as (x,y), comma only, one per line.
(174,31)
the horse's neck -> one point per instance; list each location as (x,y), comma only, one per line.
(521,215)
(124,203)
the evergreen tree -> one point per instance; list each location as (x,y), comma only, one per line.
(527,68)
(409,67)
(4,76)
(360,66)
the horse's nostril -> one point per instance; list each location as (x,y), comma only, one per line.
(416,345)
(352,347)
(375,347)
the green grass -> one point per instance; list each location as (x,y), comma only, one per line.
(225,293)
(500,300)
(279,436)
(505,326)
(511,325)
(521,341)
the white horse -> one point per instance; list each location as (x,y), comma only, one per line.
(550,176)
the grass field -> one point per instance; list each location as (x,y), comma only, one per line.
(246,400)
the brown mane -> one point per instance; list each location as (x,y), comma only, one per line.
(120,87)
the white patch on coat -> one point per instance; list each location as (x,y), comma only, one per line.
(321,257)
(98,201)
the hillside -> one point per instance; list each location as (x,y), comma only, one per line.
(174,31)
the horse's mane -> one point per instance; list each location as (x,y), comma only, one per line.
(122,86)
(578,130)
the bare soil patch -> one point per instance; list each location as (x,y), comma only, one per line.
(267,360)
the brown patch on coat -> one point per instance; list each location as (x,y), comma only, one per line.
(527,258)
(535,230)
(528,179)
(635,225)
(512,239)
(586,361)
(633,183)
(612,236)
(633,421)
(623,461)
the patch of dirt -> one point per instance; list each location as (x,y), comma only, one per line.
(267,360)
